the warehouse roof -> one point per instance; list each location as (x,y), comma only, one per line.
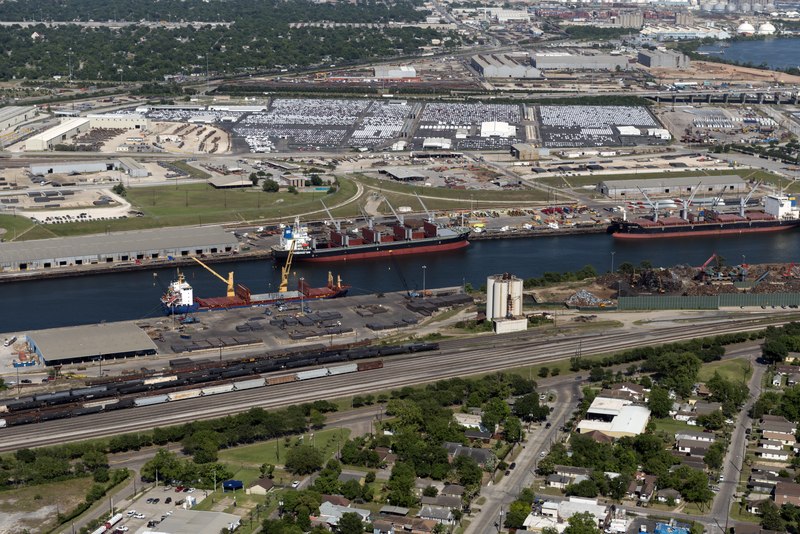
(193,521)
(61,129)
(688,181)
(78,342)
(405,173)
(114,243)
(10,112)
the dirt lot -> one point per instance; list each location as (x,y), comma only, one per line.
(34,508)
(720,72)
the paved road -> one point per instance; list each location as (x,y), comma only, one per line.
(500,496)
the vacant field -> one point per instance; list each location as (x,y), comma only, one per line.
(670,426)
(193,204)
(34,508)
(274,451)
(738,369)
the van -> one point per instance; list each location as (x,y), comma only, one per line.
(10,341)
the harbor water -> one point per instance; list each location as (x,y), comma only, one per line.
(775,53)
(135,295)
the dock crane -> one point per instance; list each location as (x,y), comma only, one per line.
(744,200)
(227,281)
(336,224)
(396,215)
(687,203)
(286,269)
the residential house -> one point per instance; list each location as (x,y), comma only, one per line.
(452,489)
(695,436)
(771,444)
(771,454)
(262,486)
(385,455)
(787,369)
(437,513)
(754,503)
(572,472)
(331,513)
(786,493)
(693,447)
(482,456)
(394,511)
(634,389)
(777,380)
(558,481)
(778,424)
(336,499)
(784,437)
(765,469)
(468,420)
(578,505)
(642,487)
(793,379)
(706,408)
(599,437)
(403,525)
(701,390)
(668,493)
(619,394)
(446,501)
(689,461)
(478,435)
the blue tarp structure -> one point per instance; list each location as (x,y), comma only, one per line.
(232,485)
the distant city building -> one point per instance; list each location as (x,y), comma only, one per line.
(663,59)
(630,19)
(504,66)
(681,33)
(502,16)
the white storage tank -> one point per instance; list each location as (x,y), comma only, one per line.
(503,296)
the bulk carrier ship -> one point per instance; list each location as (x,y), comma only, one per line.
(780,213)
(179,297)
(406,237)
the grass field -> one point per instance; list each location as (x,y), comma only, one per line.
(274,451)
(190,204)
(34,508)
(670,426)
(737,369)
(579,181)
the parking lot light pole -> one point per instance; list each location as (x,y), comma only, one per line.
(424,269)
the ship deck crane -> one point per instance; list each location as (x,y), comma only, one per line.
(743,201)
(431,218)
(652,204)
(227,281)
(687,203)
(396,215)
(286,269)
(336,224)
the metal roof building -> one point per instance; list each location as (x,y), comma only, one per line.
(194,521)
(75,344)
(51,137)
(712,186)
(12,115)
(404,174)
(504,66)
(140,245)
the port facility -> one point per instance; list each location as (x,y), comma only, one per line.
(77,344)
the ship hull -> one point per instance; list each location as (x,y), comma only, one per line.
(382,250)
(179,310)
(634,232)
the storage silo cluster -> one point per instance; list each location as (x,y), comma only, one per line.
(736,6)
(503,296)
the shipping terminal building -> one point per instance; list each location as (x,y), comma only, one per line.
(116,248)
(79,344)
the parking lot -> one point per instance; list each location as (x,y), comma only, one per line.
(155,505)
(588,126)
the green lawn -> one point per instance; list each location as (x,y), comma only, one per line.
(737,369)
(670,426)
(274,451)
(194,204)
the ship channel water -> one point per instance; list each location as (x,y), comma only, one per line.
(775,53)
(135,295)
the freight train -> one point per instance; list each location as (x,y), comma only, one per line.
(189,379)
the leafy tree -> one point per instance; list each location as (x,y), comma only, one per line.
(120,190)
(351,489)
(350,523)
(468,471)
(316,419)
(528,408)
(715,455)
(544,371)
(254,178)
(582,523)
(512,430)
(267,470)
(430,491)
(774,351)
(292,189)
(270,186)
(517,513)
(584,488)
(770,517)
(303,460)
(713,421)
(789,406)
(659,402)
(495,412)
(401,485)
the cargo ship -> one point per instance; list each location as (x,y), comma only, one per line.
(179,297)
(780,213)
(406,237)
